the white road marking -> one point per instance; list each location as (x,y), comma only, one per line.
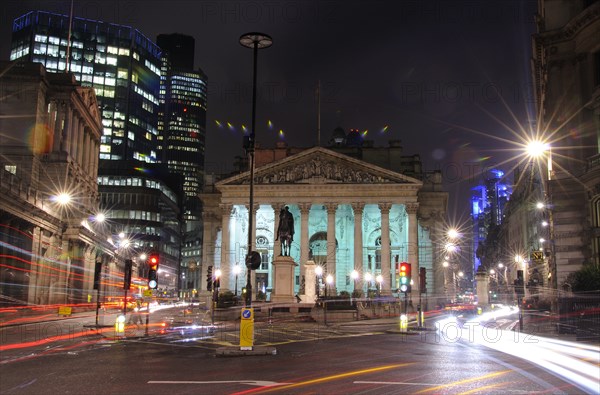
(258,383)
(395,383)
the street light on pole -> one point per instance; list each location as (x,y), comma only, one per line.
(255,41)
(236,270)
(379,280)
(354,275)
(368,279)
(319,273)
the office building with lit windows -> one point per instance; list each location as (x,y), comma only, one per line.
(182,136)
(182,119)
(123,67)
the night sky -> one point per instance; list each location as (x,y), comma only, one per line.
(443,76)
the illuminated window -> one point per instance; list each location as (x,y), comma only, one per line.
(11,168)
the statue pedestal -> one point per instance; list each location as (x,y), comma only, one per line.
(310,283)
(283,276)
(483,282)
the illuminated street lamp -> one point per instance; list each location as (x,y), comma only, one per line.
(368,279)
(451,247)
(354,275)
(236,270)
(328,282)
(319,273)
(452,234)
(379,280)
(255,41)
(62,198)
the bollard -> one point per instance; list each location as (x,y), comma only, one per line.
(120,325)
(403,323)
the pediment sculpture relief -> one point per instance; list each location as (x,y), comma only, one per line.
(325,170)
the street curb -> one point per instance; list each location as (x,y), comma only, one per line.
(236,352)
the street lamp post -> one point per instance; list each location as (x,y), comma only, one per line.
(328,282)
(319,273)
(255,41)
(236,270)
(379,280)
(354,275)
(445,265)
(368,279)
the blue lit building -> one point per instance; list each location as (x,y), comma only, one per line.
(487,208)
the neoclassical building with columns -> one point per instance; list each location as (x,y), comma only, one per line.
(349,215)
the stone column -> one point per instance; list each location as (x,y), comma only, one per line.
(358,244)
(81,147)
(331,261)
(385,248)
(225,253)
(74,135)
(88,154)
(413,244)
(62,126)
(253,274)
(95,157)
(303,240)
(254,211)
(52,122)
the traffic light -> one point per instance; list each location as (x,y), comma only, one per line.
(209,278)
(422,280)
(97,274)
(127,274)
(152,271)
(405,277)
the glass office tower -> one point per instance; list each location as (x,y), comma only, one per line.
(182,120)
(123,67)
(120,63)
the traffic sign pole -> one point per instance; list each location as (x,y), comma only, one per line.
(247,329)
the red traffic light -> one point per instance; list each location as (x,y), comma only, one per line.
(153,262)
(405,273)
(405,269)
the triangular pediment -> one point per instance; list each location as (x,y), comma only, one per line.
(319,165)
